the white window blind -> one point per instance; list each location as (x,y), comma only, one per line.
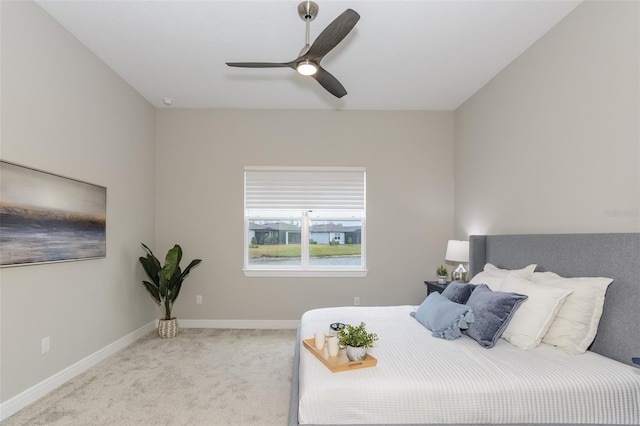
(305,189)
(305,221)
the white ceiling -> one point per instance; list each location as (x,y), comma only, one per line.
(402,55)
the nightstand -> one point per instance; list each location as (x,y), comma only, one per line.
(434,286)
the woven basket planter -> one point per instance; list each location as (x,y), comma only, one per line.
(168,328)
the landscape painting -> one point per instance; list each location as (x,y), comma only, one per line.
(49,218)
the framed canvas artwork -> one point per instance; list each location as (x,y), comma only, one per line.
(49,218)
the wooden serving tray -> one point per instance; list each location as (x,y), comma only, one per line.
(339,362)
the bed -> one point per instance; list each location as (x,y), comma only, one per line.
(423,380)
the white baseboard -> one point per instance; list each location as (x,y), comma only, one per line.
(240,324)
(18,402)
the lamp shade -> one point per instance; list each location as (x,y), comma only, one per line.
(457,251)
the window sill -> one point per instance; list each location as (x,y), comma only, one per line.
(309,273)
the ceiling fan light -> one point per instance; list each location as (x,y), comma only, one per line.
(307,67)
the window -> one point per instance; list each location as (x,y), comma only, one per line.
(304,221)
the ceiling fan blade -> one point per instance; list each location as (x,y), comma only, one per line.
(329,82)
(260,64)
(332,35)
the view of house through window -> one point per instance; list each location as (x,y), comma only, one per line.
(305,219)
(278,243)
(274,242)
(335,242)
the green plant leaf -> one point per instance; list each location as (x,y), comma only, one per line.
(153,291)
(163,285)
(188,268)
(154,263)
(171,261)
(176,291)
(150,268)
(356,336)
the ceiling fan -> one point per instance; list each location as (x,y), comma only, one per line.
(308,60)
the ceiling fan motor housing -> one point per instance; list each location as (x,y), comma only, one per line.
(308,10)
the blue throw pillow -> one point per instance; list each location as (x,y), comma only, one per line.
(492,311)
(443,317)
(458,292)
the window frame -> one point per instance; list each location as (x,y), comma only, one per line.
(306,217)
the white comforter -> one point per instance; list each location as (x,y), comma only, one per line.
(423,379)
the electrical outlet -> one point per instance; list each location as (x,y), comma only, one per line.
(199,299)
(356,301)
(46,344)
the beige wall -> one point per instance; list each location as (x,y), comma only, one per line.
(552,144)
(200,159)
(65,112)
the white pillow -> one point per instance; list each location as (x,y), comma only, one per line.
(576,324)
(533,318)
(539,277)
(493,276)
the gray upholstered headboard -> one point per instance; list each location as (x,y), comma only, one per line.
(615,256)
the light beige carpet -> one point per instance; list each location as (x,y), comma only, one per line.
(201,377)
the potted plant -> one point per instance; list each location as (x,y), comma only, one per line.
(442,274)
(357,340)
(165,284)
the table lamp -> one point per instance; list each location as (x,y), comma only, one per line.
(458,251)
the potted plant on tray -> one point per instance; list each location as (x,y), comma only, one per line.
(165,284)
(357,340)
(442,274)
